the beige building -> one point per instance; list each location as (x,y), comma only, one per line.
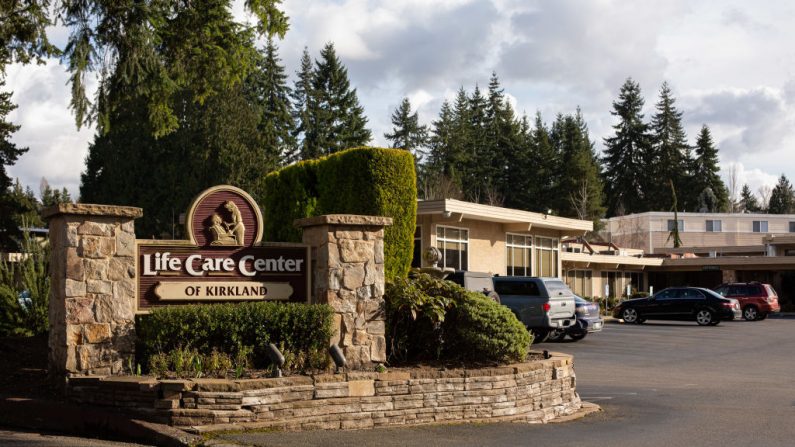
(501,241)
(510,242)
(723,233)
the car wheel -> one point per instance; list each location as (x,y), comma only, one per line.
(750,313)
(704,317)
(556,335)
(539,335)
(629,315)
(577,336)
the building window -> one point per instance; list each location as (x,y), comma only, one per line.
(454,245)
(580,282)
(760,226)
(792,227)
(416,261)
(680,224)
(546,257)
(714,226)
(518,250)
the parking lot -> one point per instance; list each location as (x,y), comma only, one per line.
(660,384)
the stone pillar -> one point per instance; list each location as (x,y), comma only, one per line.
(92,298)
(348,263)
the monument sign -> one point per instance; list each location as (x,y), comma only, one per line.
(223,258)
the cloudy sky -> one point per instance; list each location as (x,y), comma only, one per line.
(731,65)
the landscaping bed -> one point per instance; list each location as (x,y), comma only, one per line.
(534,391)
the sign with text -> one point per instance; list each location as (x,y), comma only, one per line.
(223,259)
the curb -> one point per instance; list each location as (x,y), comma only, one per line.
(586,409)
(62,417)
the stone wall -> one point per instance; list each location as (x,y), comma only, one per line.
(536,391)
(348,264)
(92,300)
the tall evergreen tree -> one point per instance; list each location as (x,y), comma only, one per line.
(782,199)
(9,153)
(579,187)
(218,141)
(159,52)
(503,142)
(407,132)
(707,172)
(302,101)
(669,154)
(627,155)
(748,202)
(337,118)
(268,88)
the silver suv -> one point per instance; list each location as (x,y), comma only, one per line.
(542,304)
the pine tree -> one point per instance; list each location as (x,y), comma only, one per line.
(337,119)
(706,171)
(579,188)
(9,153)
(627,161)
(50,196)
(302,99)
(782,199)
(477,174)
(748,201)
(268,88)
(669,154)
(407,132)
(503,141)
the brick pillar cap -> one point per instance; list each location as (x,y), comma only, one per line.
(343,219)
(88,209)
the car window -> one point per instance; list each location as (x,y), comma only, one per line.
(517,288)
(736,291)
(756,290)
(557,288)
(666,294)
(771,291)
(479,283)
(722,290)
(690,294)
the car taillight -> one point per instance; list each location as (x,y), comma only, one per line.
(730,305)
(546,307)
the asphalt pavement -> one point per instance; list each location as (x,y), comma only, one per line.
(659,384)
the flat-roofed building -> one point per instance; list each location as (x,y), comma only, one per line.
(730,233)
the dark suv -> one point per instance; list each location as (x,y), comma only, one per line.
(680,303)
(756,299)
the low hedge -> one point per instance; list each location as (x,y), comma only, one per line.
(369,181)
(302,331)
(433,319)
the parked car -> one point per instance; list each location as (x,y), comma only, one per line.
(680,303)
(756,299)
(476,282)
(588,320)
(541,304)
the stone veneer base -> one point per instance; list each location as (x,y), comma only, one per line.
(534,392)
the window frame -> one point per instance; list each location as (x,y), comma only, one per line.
(756,226)
(530,257)
(460,241)
(416,239)
(681,228)
(710,226)
(555,249)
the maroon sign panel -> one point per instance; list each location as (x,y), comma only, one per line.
(223,260)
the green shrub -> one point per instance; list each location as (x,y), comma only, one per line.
(369,181)
(481,329)
(25,291)
(432,319)
(241,330)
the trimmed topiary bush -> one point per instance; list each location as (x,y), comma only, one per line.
(302,331)
(432,319)
(368,181)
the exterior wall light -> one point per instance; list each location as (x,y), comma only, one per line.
(276,358)
(338,357)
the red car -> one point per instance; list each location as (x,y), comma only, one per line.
(756,299)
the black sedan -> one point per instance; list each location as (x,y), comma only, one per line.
(680,303)
(588,320)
